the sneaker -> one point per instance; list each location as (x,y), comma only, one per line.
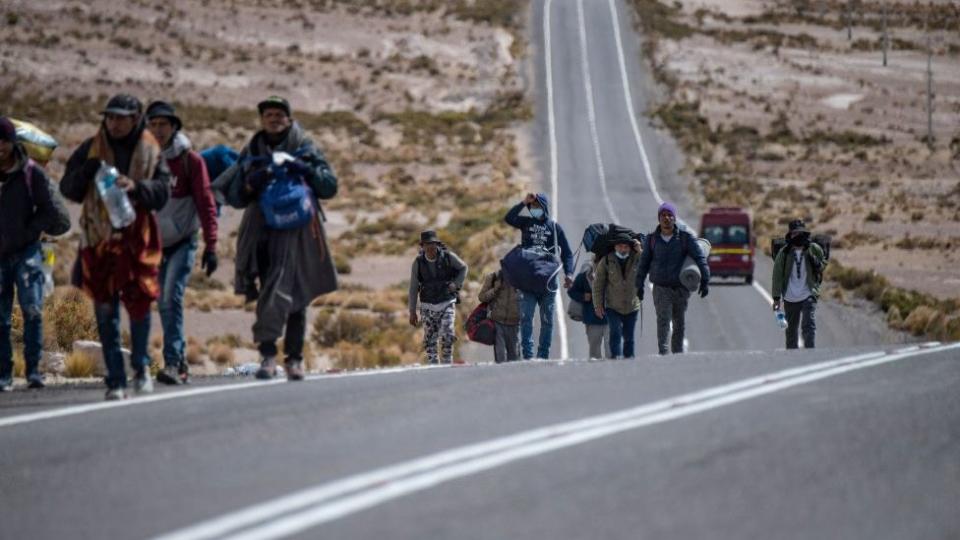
(35,381)
(6,384)
(142,383)
(168,375)
(268,368)
(184,373)
(294,370)
(115,394)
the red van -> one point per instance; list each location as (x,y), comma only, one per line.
(730,234)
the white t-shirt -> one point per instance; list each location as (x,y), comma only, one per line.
(797,290)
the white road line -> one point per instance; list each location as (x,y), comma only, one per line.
(628,96)
(560,314)
(154,398)
(314,506)
(592,113)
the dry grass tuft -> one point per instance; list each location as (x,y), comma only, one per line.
(81,365)
(222,354)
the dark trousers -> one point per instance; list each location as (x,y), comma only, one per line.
(670,303)
(622,328)
(801,315)
(293,337)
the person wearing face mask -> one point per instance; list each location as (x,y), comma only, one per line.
(436,276)
(797,274)
(615,294)
(117,266)
(293,265)
(662,258)
(537,229)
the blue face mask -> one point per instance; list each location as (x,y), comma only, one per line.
(537,213)
(622,256)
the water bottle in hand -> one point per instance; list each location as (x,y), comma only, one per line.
(781,319)
(118,204)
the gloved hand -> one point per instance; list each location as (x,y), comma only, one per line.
(297,168)
(704,289)
(259,178)
(640,290)
(209,262)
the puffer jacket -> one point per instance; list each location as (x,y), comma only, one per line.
(664,260)
(615,286)
(504,306)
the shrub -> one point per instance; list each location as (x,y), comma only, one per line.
(221,354)
(68,315)
(81,365)
(918,320)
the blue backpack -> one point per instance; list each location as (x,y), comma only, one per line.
(287,202)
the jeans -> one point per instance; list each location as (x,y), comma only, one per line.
(670,303)
(293,337)
(801,311)
(528,304)
(598,335)
(108,325)
(506,348)
(24,272)
(621,333)
(175,269)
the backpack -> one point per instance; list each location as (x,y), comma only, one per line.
(287,203)
(479,327)
(55,200)
(592,234)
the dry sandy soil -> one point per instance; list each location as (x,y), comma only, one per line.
(801,121)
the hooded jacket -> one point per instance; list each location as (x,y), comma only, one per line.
(502,299)
(189,179)
(27,212)
(540,232)
(615,286)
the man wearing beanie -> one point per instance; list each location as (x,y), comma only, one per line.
(27,209)
(191,205)
(662,258)
(120,266)
(293,265)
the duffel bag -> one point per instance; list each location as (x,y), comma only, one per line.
(532,270)
(480,328)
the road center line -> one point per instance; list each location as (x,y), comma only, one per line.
(314,506)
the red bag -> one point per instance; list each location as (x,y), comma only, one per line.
(479,327)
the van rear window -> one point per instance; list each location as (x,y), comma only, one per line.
(726,234)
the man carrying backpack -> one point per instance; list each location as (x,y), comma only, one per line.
(191,205)
(29,209)
(532,217)
(278,179)
(504,311)
(120,265)
(663,254)
(797,274)
(436,276)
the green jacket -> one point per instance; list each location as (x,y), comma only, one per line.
(504,306)
(614,288)
(813,259)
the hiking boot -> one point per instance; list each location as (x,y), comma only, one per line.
(6,384)
(115,394)
(168,375)
(184,372)
(268,368)
(142,383)
(35,381)
(294,370)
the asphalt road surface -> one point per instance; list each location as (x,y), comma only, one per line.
(735,439)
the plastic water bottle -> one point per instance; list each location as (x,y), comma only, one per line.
(49,259)
(118,204)
(781,319)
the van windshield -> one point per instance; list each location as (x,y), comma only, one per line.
(726,234)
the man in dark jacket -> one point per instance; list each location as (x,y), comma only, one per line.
(120,265)
(532,217)
(662,257)
(27,210)
(295,265)
(190,207)
(436,277)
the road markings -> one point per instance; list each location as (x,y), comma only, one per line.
(303,510)
(560,314)
(167,396)
(628,96)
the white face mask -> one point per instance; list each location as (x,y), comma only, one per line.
(622,256)
(536,212)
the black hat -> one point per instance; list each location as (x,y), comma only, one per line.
(8,132)
(162,109)
(274,102)
(796,228)
(123,104)
(429,236)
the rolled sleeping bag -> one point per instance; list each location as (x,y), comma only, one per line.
(690,272)
(38,143)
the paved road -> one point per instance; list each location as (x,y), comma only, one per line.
(588,69)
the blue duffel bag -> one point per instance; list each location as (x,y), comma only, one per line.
(533,270)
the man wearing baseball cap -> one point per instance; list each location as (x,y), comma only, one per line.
(117,266)
(662,257)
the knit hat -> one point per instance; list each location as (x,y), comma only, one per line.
(667,207)
(123,104)
(162,109)
(7,130)
(274,102)
(429,237)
